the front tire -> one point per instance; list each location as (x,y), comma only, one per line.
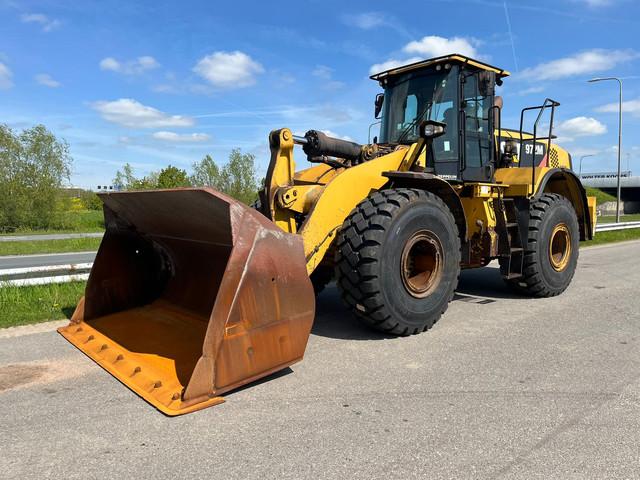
(398,260)
(551,254)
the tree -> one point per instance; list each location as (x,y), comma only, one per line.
(238,177)
(172,177)
(90,200)
(126,180)
(34,166)
(206,173)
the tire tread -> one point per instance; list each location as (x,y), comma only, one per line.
(356,257)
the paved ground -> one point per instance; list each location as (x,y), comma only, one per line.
(49,236)
(513,388)
(44,259)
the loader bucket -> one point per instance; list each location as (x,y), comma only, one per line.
(192,294)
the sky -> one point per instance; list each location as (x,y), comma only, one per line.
(158,83)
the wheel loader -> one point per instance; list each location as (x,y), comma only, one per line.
(193,294)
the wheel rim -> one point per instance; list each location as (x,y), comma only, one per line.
(560,247)
(421,267)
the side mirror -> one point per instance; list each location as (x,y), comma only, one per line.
(486,81)
(378,104)
(430,129)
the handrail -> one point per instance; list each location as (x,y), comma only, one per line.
(493,110)
(548,103)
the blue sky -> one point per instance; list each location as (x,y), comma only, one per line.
(153,83)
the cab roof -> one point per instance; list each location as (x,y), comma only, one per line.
(453,58)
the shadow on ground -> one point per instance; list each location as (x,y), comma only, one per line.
(272,377)
(485,282)
(334,320)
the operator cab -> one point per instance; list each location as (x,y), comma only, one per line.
(454,90)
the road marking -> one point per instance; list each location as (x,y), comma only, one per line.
(472,299)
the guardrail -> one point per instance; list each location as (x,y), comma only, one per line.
(24,276)
(49,236)
(609,227)
(45,274)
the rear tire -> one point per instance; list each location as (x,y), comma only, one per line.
(398,260)
(551,254)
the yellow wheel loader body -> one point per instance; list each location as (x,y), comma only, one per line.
(193,294)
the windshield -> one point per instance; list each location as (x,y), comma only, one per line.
(414,97)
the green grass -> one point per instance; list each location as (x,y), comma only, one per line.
(86,221)
(634,217)
(49,246)
(76,221)
(615,236)
(601,197)
(24,305)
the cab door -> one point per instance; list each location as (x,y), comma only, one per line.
(476,102)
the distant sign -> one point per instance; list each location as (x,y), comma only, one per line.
(604,175)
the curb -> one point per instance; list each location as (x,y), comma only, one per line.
(22,330)
(609,244)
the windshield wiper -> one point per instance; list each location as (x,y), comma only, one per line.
(414,122)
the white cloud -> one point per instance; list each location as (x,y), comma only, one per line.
(131,113)
(434,46)
(326,75)
(630,106)
(596,3)
(365,21)
(332,134)
(6,77)
(130,67)
(47,81)
(580,127)
(429,47)
(47,24)
(582,63)
(228,69)
(181,138)
(389,64)
(322,71)
(530,91)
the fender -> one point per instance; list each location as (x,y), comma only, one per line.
(437,186)
(566,183)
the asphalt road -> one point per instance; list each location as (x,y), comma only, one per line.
(44,259)
(511,388)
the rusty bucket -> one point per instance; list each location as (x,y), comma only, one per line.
(192,294)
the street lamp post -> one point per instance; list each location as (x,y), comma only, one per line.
(583,156)
(619,136)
